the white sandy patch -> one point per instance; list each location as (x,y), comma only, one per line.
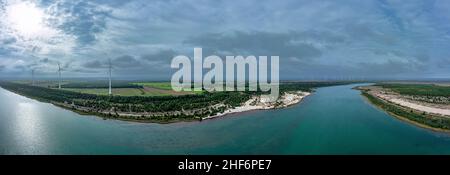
(415,106)
(258,103)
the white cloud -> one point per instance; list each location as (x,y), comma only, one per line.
(345,33)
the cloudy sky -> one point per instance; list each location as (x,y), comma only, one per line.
(314,39)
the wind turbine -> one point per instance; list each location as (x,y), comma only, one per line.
(59,73)
(32,77)
(110,67)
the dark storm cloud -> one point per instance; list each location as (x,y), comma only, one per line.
(22,67)
(8,41)
(390,67)
(47,61)
(126,62)
(285,45)
(95,64)
(162,55)
(88,71)
(85,21)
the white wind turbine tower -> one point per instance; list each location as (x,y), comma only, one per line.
(110,67)
(59,74)
(32,77)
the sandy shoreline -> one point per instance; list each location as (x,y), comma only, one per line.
(419,107)
(395,98)
(258,103)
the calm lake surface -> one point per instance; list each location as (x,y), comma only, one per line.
(335,120)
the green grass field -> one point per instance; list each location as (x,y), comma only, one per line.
(120,88)
(419,89)
(158,85)
(118,91)
(41,83)
(163,86)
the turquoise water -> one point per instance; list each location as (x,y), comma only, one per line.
(335,120)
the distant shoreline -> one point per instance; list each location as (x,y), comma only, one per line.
(410,114)
(402,118)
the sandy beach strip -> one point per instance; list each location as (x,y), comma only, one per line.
(287,99)
(419,107)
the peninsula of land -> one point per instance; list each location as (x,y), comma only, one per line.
(164,108)
(260,103)
(425,105)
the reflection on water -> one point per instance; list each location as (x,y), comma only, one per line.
(335,120)
(29,126)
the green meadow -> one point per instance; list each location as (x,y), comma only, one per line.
(419,89)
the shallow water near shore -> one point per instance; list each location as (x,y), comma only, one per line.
(333,120)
